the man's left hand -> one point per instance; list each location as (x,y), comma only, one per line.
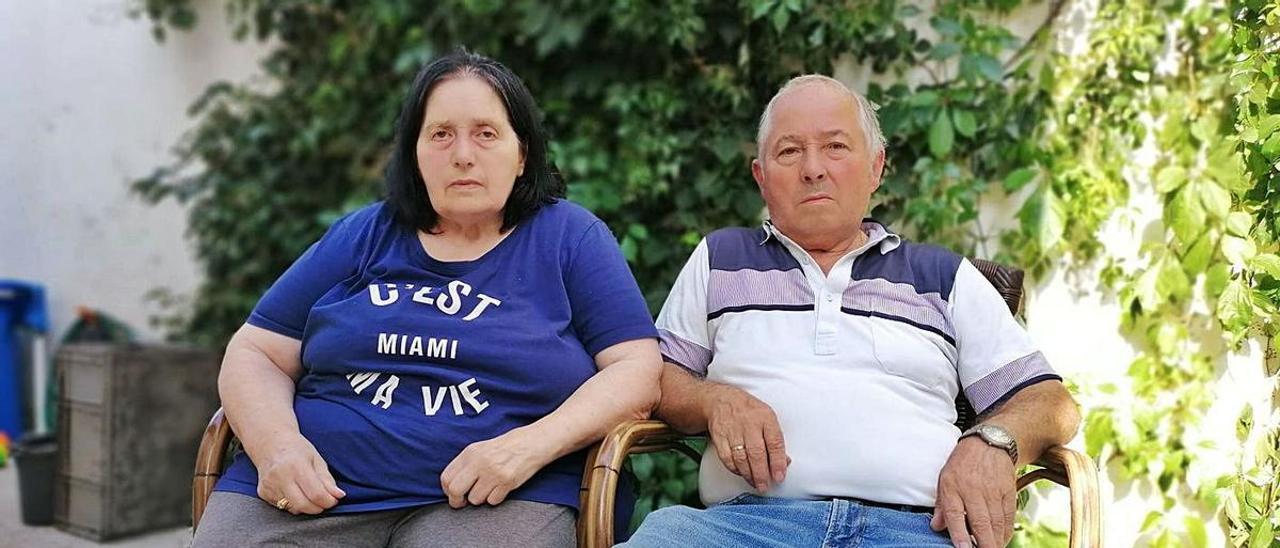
(977,496)
(487,471)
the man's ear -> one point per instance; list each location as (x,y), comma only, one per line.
(877,170)
(757,173)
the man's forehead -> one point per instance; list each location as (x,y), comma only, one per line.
(821,133)
(816,108)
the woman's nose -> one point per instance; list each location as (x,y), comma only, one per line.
(463,156)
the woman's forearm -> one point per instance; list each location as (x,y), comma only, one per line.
(626,390)
(257,397)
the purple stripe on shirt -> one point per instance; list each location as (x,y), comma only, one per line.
(930,269)
(998,383)
(682,352)
(900,300)
(749,288)
(740,248)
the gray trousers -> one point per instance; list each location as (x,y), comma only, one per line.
(233,519)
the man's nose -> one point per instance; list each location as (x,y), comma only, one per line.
(811,169)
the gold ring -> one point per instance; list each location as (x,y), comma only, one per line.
(739,447)
(282,504)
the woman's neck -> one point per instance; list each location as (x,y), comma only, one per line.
(462,240)
(468,230)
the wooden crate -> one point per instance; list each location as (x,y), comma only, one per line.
(129,423)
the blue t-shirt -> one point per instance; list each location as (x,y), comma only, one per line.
(407,360)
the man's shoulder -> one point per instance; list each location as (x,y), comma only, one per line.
(928,255)
(926,267)
(740,248)
(735,234)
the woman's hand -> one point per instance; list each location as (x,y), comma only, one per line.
(294,477)
(487,471)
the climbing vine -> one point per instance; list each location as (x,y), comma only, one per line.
(1171,100)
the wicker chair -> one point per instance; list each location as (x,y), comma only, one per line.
(605,460)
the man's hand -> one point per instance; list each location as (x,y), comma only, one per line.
(294,471)
(977,495)
(746,436)
(487,471)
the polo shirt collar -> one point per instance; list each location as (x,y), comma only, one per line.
(878,235)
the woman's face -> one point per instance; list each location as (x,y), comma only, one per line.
(468,154)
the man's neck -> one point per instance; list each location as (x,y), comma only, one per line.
(825,250)
(827,258)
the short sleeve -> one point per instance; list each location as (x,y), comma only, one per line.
(284,308)
(997,357)
(605,301)
(683,334)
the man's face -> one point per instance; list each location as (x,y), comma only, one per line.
(816,171)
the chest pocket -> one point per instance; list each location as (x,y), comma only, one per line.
(918,356)
(911,337)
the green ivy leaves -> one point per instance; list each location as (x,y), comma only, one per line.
(941,135)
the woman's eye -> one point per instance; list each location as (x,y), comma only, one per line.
(488,135)
(439,135)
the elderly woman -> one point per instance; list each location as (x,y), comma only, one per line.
(429,370)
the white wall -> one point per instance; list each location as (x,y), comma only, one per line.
(90,101)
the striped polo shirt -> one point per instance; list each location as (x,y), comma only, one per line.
(861,365)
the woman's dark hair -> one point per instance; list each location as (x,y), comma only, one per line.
(406,192)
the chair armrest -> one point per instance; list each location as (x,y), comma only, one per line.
(1077,472)
(604,465)
(1058,464)
(213,452)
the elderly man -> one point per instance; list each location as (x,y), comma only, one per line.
(823,354)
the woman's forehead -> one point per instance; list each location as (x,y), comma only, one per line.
(464,98)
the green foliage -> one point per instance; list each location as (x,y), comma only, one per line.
(652,109)
(664,479)
(1205,271)
(1038,536)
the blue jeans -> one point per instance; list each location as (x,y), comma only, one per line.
(750,520)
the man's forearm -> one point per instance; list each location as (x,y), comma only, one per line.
(684,398)
(1039,416)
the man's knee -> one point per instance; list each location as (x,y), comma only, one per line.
(670,526)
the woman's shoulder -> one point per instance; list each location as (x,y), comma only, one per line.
(371,218)
(569,217)
(361,229)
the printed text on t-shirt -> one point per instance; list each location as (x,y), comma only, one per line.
(448,301)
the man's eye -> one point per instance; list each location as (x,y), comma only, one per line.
(439,135)
(838,146)
(789,151)
(488,135)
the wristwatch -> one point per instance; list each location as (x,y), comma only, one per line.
(995,436)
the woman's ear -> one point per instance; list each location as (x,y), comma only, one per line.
(523,150)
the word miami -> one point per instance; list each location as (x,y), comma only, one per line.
(398,344)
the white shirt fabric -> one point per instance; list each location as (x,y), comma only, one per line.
(862,365)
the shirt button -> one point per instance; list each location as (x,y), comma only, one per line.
(830,297)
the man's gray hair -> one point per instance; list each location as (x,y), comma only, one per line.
(867,120)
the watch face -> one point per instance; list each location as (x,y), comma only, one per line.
(997,435)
